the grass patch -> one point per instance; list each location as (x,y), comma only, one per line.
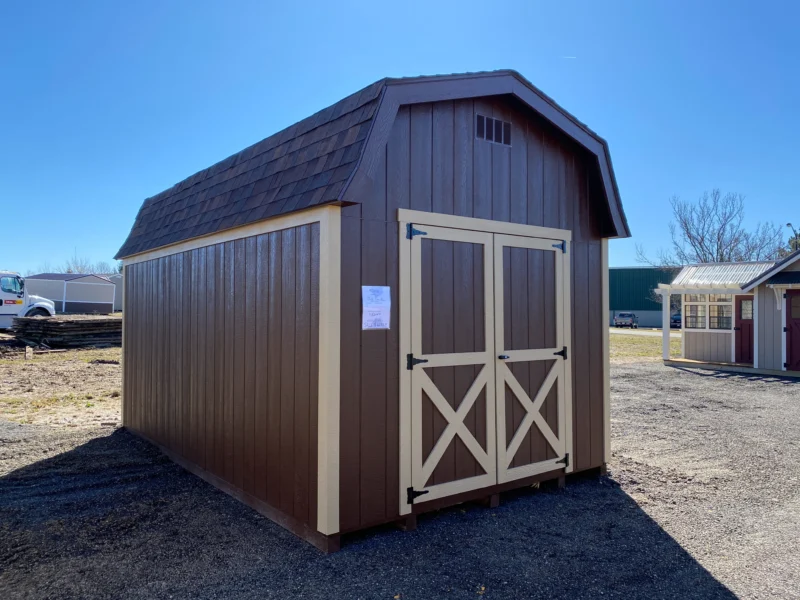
(630,347)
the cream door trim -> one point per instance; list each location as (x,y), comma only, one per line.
(483,225)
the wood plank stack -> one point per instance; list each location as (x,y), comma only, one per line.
(66,332)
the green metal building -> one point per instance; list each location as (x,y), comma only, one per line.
(631,290)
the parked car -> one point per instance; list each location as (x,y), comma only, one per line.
(626,320)
(676,321)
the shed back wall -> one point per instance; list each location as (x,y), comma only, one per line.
(221,362)
(432,162)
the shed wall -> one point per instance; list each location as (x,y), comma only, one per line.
(47,288)
(90,292)
(770,330)
(221,362)
(432,162)
(707,346)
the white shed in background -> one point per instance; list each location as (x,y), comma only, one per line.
(74,292)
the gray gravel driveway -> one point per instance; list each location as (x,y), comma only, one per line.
(702,501)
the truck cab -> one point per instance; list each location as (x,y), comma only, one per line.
(16,302)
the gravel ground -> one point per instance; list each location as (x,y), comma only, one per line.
(702,501)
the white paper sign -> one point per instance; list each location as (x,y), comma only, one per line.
(376,306)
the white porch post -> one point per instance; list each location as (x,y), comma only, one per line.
(665,303)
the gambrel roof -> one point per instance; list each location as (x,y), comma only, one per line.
(315,161)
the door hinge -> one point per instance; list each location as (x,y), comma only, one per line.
(563,353)
(737,328)
(411,232)
(412,494)
(562,246)
(785,330)
(785,365)
(564,461)
(411,361)
(785,295)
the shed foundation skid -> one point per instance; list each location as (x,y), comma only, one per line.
(483,207)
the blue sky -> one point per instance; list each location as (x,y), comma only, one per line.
(105,103)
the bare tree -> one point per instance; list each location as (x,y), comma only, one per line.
(712,230)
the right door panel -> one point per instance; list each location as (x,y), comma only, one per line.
(532,364)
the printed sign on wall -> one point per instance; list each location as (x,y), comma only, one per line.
(376,306)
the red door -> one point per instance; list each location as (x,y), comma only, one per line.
(744,329)
(793,330)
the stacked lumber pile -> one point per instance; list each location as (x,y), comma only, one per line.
(68,332)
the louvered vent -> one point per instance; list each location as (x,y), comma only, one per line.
(493,130)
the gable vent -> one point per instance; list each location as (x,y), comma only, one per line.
(493,130)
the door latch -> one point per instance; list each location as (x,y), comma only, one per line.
(412,494)
(504,357)
(562,353)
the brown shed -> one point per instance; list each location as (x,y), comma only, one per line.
(393,305)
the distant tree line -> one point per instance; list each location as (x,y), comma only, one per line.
(78,264)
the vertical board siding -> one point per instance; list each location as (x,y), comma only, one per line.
(770,330)
(707,346)
(432,162)
(221,357)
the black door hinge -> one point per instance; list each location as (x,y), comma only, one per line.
(785,329)
(786,295)
(785,365)
(411,361)
(412,494)
(411,232)
(563,353)
(564,461)
(562,246)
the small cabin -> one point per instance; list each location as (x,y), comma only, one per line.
(741,316)
(397,304)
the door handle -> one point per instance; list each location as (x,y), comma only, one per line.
(737,328)
(504,357)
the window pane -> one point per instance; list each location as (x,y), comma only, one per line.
(507,134)
(694,297)
(747,310)
(480,129)
(796,307)
(720,316)
(8,285)
(489,129)
(720,298)
(498,131)
(695,316)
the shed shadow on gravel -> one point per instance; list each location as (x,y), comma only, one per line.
(115,518)
(788,381)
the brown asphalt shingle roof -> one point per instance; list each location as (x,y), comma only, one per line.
(304,165)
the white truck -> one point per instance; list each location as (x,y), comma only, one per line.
(16,302)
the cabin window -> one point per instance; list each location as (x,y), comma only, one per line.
(720,316)
(493,130)
(711,312)
(695,316)
(746,310)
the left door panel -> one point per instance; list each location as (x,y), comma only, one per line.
(452,416)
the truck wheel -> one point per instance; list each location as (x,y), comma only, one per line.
(38,312)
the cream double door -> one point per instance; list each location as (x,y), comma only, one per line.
(484,324)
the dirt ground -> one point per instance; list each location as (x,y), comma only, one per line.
(702,501)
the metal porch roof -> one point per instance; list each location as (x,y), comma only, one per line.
(720,274)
